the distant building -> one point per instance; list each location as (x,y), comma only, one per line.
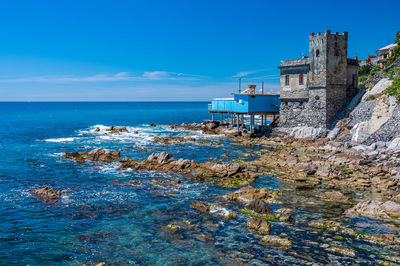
(385,53)
(314,89)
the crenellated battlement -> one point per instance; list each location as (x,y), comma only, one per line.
(328,33)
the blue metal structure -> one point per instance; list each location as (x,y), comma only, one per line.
(247,104)
(262,105)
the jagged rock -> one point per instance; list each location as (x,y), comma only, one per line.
(261,225)
(382,239)
(394,145)
(204,207)
(161,158)
(47,194)
(284,216)
(259,206)
(97,154)
(183,163)
(376,209)
(226,169)
(114,130)
(172,139)
(248,194)
(304,132)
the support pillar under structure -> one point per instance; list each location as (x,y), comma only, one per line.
(212,116)
(232,120)
(222,117)
(252,123)
(237,122)
(262,122)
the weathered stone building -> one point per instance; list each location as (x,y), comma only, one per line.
(314,89)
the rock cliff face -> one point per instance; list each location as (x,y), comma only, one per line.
(375,119)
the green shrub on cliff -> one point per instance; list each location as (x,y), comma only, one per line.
(364,70)
(374,70)
(394,89)
(362,81)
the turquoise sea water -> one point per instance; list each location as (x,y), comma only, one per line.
(97,220)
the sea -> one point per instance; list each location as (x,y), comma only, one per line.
(101,217)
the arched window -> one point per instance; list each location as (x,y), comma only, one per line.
(317,53)
(287,80)
(301,79)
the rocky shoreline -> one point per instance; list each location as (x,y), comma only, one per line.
(332,170)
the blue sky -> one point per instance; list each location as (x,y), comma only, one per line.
(169,50)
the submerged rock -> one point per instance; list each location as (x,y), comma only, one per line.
(334,196)
(326,224)
(342,250)
(47,194)
(259,224)
(135,182)
(277,241)
(173,227)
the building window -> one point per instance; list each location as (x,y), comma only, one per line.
(287,80)
(301,79)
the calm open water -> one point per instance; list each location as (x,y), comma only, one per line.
(97,220)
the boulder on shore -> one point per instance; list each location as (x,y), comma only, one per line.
(248,194)
(98,154)
(375,209)
(221,174)
(260,207)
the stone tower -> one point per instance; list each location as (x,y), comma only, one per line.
(328,73)
(315,89)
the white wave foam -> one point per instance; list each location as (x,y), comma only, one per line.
(60,140)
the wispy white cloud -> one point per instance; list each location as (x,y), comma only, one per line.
(121,76)
(165,75)
(244,73)
(247,73)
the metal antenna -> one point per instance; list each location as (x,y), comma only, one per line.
(263,87)
(240,82)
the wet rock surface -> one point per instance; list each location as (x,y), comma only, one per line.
(221,173)
(47,194)
(260,225)
(97,154)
